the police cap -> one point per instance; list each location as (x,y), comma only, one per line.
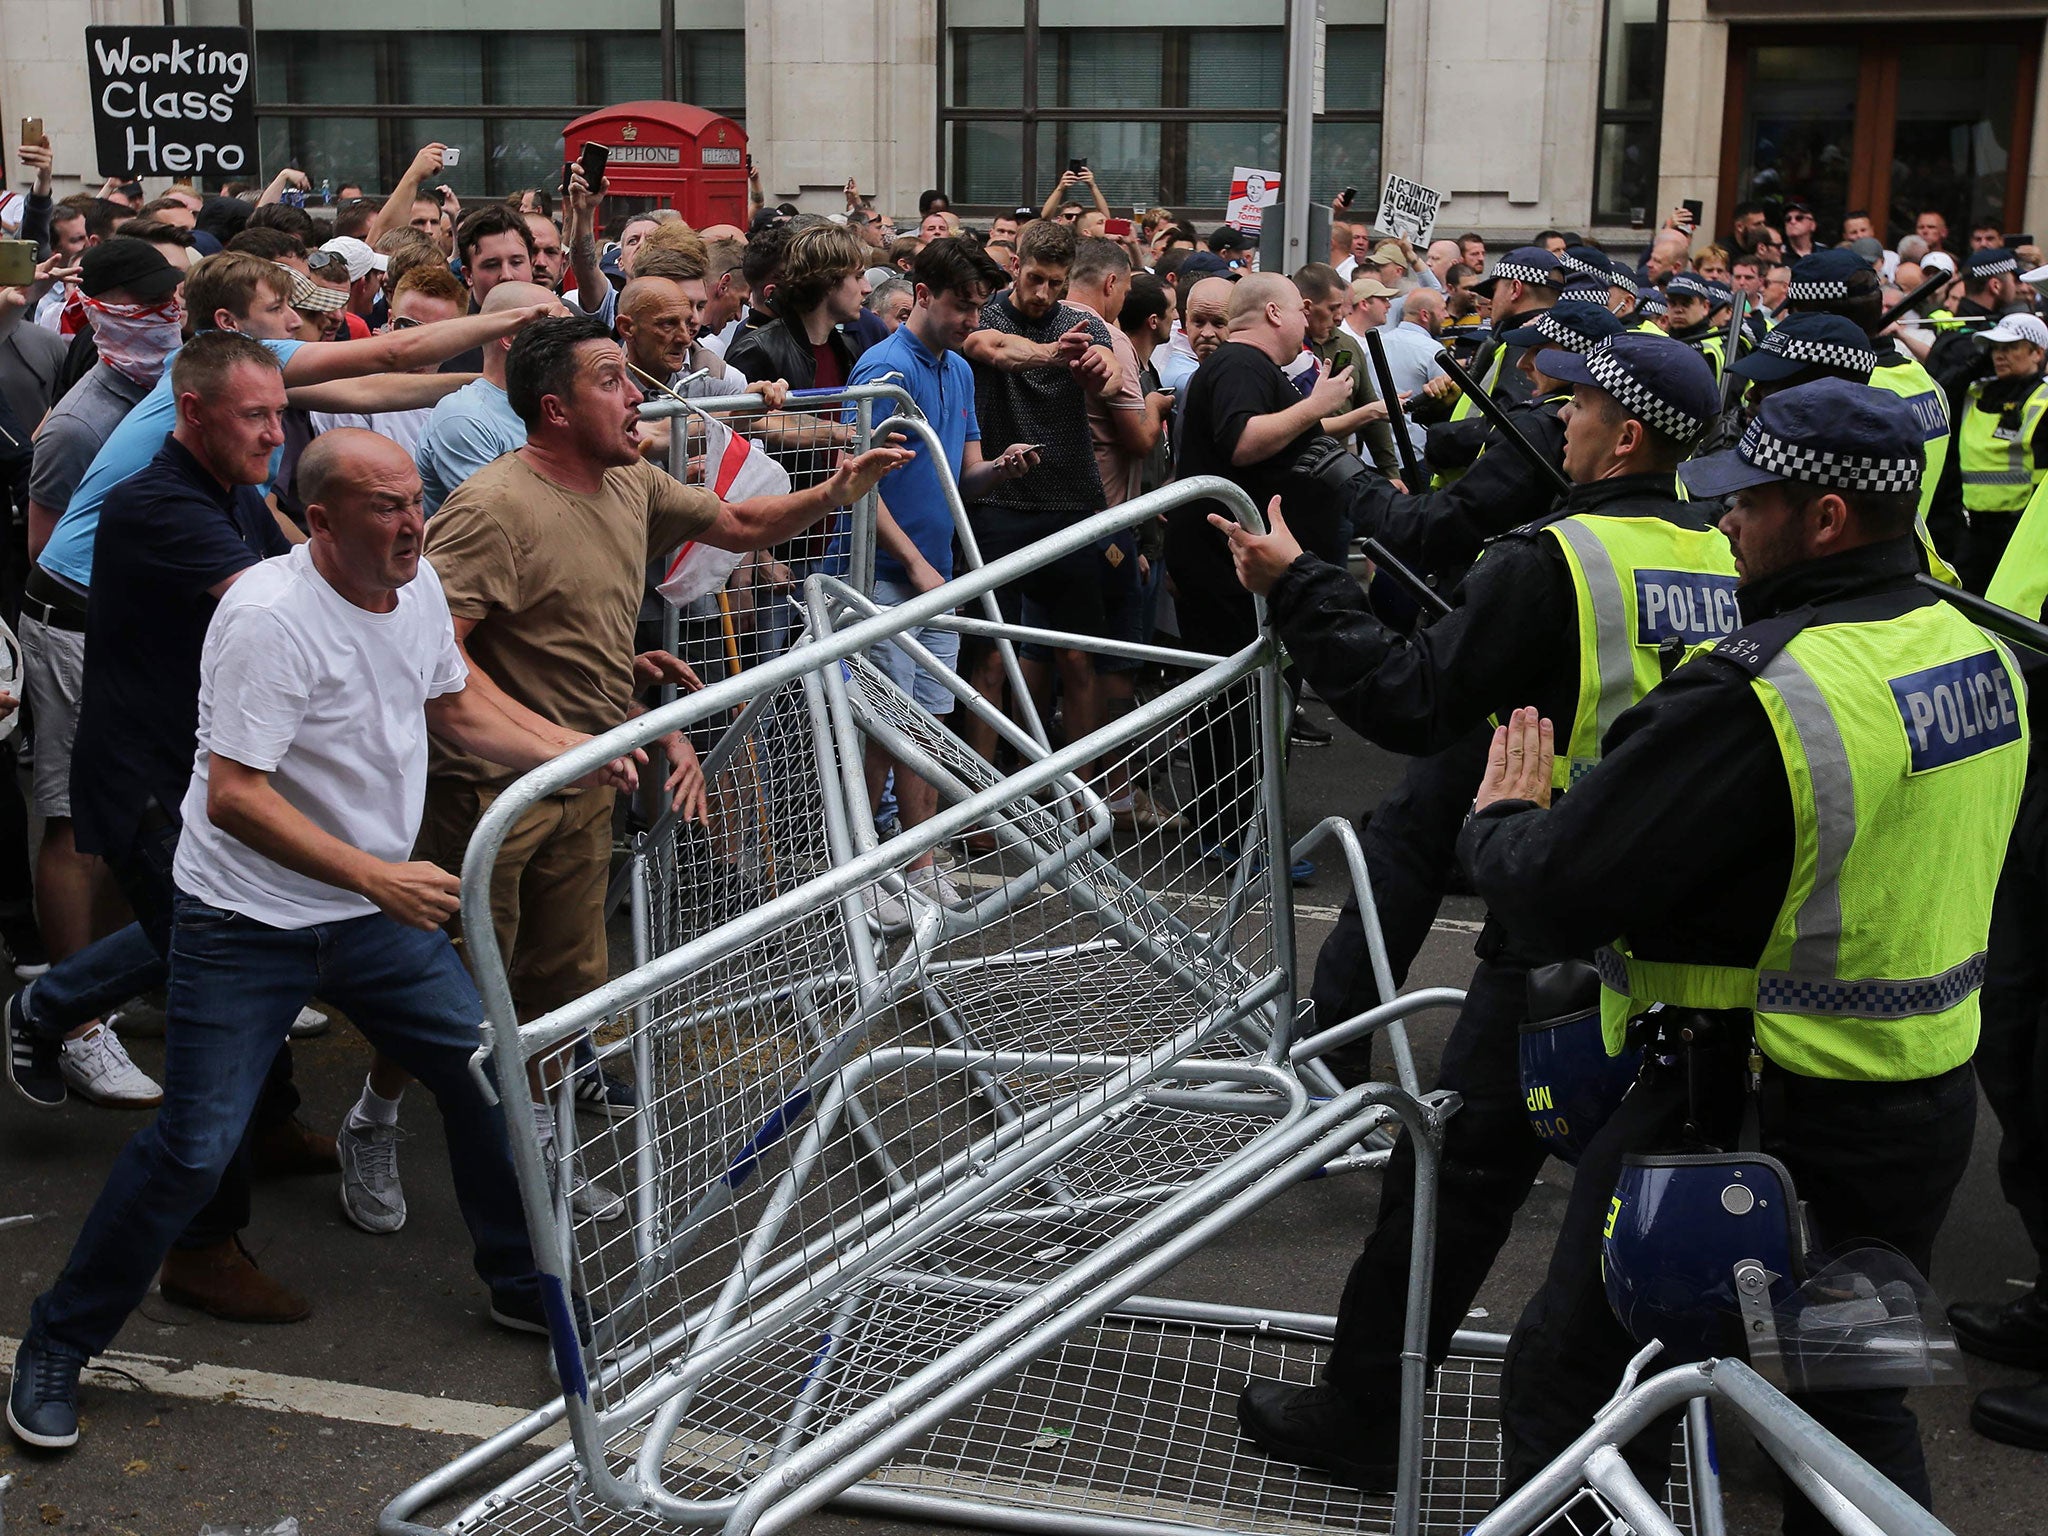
(1993,262)
(1665,384)
(1689,285)
(1830,433)
(1829,276)
(1586,290)
(1651,304)
(1575,325)
(1805,341)
(1530,264)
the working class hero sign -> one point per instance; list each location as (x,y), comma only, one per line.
(172,101)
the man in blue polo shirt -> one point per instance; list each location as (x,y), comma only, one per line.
(914,534)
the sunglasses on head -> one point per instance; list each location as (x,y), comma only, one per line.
(405,323)
(320,261)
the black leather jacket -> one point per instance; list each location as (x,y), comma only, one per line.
(781,349)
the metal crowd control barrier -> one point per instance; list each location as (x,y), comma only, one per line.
(1590,1490)
(883,1171)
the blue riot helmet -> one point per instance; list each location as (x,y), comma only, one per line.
(1704,1253)
(1570,1085)
(1694,1243)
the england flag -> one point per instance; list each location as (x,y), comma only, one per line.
(737,468)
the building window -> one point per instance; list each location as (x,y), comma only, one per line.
(352,105)
(1631,89)
(1161,112)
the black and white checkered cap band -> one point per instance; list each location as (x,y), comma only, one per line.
(1636,399)
(1625,281)
(1651,302)
(1554,329)
(1541,276)
(1831,354)
(1994,267)
(1578,266)
(1593,290)
(1688,286)
(1812,292)
(1824,466)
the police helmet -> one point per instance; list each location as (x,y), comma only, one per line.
(1570,1085)
(1704,1253)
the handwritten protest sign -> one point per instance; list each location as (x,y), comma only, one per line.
(1408,210)
(172,101)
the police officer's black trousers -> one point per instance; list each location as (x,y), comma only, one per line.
(1410,843)
(1489,1161)
(1984,545)
(1872,1161)
(2012,1052)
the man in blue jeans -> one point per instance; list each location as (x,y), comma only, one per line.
(915,527)
(323,672)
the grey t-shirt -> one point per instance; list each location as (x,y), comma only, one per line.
(74,431)
(1042,406)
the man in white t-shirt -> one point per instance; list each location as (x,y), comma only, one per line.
(323,672)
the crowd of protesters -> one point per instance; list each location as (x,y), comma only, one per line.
(310,500)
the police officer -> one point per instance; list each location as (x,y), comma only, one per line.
(1991,289)
(1837,282)
(1409,837)
(1692,299)
(2001,453)
(1652,312)
(2012,1057)
(1800,349)
(1750,851)
(1524,281)
(1564,610)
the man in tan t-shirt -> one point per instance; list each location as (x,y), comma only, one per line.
(543,554)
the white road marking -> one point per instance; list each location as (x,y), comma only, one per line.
(122,1370)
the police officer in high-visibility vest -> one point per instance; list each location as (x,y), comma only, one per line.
(1579,610)
(1409,836)
(2012,1057)
(1837,282)
(1799,350)
(1751,852)
(1692,298)
(1652,313)
(1992,289)
(1524,281)
(2001,443)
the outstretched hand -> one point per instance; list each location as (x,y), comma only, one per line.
(1520,761)
(1260,558)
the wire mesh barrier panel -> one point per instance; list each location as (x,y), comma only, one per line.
(915,1135)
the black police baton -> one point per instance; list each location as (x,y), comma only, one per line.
(1940,279)
(1501,422)
(2002,622)
(1397,414)
(1738,311)
(1405,578)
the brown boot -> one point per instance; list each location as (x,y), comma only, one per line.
(291,1149)
(223,1281)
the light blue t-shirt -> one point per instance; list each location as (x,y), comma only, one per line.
(468,429)
(943,388)
(127,450)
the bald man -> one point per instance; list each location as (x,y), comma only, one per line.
(1242,419)
(477,423)
(1204,322)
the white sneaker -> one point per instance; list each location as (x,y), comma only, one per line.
(96,1065)
(932,883)
(311,1021)
(591,1201)
(887,908)
(371,1195)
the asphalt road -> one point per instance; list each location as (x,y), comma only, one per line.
(323,1421)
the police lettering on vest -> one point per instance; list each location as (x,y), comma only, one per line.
(1693,606)
(1956,710)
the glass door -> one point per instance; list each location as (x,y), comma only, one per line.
(1888,121)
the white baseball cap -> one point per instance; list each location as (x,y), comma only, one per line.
(360,257)
(1938,261)
(2028,328)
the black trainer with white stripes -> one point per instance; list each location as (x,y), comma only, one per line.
(34,1063)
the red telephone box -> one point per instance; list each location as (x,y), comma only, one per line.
(665,154)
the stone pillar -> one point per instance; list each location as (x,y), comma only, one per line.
(1695,99)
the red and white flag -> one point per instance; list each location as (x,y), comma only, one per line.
(738,468)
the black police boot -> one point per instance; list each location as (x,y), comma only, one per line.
(2013,1415)
(1318,1427)
(2013,1334)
